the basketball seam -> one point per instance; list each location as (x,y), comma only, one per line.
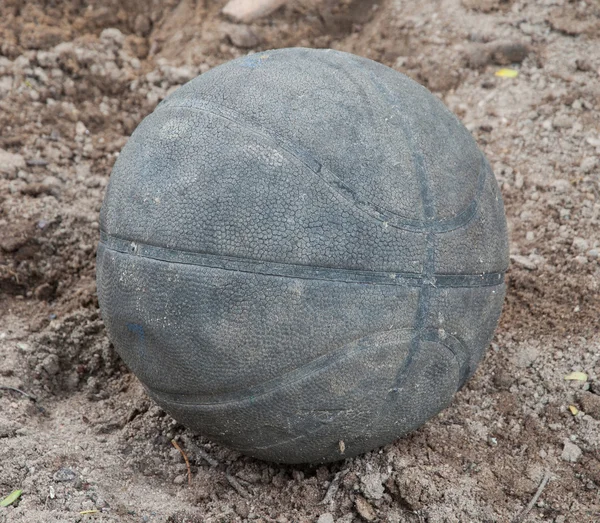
(293,376)
(336,184)
(298,374)
(313,431)
(297,271)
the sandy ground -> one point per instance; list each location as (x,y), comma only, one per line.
(76,77)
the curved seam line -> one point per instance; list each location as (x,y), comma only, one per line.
(294,376)
(461,219)
(294,438)
(461,354)
(399,279)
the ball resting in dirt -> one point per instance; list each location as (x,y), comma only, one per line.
(302,255)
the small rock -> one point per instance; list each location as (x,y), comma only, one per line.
(47,59)
(526,356)
(594,141)
(179,75)
(594,254)
(562,186)
(583,64)
(571,452)
(505,53)
(6,83)
(249,10)
(240,35)
(8,429)
(242,509)
(580,244)
(477,56)
(72,381)
(365,510)
(325,518)
(503,378)
(142,24)
(80,129)
(10,163)
(64,474)
(112,35)
(526,28)
(179,480)
(562,121)
(523,261)
(50,364)
(372,485)
(588,164)
(590,404)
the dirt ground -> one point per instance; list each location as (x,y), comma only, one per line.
(76,77)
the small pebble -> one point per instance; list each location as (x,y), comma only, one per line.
(562,122)
(64,474)
(325,518)
(588,164)
(590,404)
(240,35)
(179,480)
(580,244)
(365,509)
(571,452)
(372,485)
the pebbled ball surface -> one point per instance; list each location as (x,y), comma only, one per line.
(301,248)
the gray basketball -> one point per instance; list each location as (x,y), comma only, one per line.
(302,255)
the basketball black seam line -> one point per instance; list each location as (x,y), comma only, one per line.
(429,255)
(312,432)
(400,279)
(287,441)
(460,220)
(298,374)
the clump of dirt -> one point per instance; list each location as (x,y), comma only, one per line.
(77,77)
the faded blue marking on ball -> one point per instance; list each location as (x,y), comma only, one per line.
(254,60)
(138,330)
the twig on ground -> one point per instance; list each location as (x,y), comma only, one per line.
(236,485)
(187,461)
(200,453)
(197,451)
(14,389)
(521,517)
(334,487)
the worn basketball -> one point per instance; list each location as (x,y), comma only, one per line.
(302,255)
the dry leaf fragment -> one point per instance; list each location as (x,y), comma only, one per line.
(365,509)
(576,376)
(11,498)
(507,73)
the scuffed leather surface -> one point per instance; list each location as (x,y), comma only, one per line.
(302,247)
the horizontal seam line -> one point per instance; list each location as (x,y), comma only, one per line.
(251,266)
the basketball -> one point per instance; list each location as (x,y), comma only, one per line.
(302,255)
